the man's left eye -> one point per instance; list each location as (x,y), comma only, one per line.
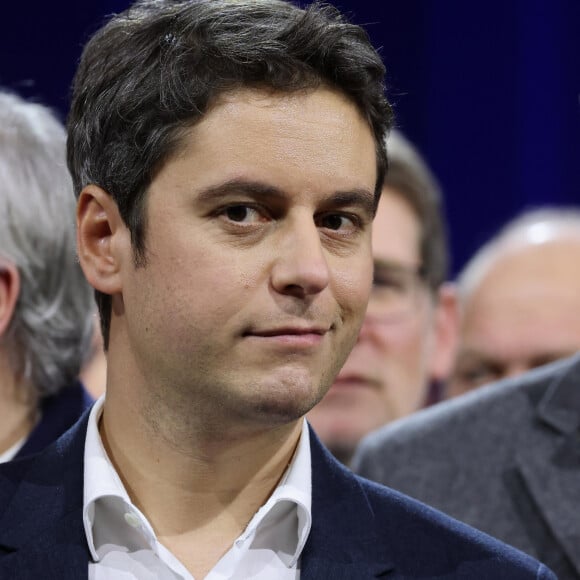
(336,222)
(242,214)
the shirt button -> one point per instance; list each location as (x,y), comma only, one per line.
(132,519)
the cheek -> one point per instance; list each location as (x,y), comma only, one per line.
(415,334)
(352,288)
(402,339)
(196,288)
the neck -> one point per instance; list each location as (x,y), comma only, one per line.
(199,496)
(17,411)
(203,485)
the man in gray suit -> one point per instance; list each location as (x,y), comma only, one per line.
(504,458)
(519,299)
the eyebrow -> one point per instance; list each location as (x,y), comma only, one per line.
(473,355)
(251,188)
(470,356)
(382,264)
(358,196)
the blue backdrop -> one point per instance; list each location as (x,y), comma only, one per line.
(488,90)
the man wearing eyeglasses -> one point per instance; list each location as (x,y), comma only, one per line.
(406,345)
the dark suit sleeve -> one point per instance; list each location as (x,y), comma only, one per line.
(545,573)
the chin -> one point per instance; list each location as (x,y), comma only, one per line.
(276,408)
(282,398)
(281,411)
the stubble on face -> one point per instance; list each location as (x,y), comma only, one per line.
(259,265)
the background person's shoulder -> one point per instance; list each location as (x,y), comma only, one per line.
(493,406)
(425,543)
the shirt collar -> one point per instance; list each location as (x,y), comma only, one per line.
(295,488)
(10,453)
(101,481)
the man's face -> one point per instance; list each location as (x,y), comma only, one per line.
(259,260)
(525,312)
(387,373)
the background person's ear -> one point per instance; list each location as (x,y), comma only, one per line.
(9,292)
(446,332)
(102,239)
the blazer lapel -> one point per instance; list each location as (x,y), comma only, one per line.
(343,543)
(551,476)
(41,528)
(59,553)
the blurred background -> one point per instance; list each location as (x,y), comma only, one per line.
(488,90)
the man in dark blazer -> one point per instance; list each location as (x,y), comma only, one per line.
(228,157)
(504,458)
(360,530)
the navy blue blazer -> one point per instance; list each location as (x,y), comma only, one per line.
(360,529)
(58,414)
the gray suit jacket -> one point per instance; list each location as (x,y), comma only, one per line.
(504,459)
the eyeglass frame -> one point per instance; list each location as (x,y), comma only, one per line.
(414,278)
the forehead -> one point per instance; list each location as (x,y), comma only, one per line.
(532,272)
(396,230)
(529,298)
(317,133)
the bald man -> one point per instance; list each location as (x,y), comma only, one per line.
(520,300)
(504,457)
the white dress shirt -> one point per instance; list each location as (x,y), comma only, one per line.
(124,546)
(11,452)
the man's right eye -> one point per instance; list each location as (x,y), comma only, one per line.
(242,214)
(388,281)
(475,376)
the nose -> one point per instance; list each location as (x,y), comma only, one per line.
(375,309)
(367,329)
(300,267)
(372,329)
(379,325)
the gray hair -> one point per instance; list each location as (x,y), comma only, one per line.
(50,330)
(411,178)
(535,226)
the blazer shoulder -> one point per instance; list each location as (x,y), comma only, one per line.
(456,548)
(58,413)
(45,468)
(352,515)
(11,474)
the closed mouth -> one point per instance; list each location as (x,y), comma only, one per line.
(287,331)
(355,381)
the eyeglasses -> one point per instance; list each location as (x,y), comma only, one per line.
(396,291)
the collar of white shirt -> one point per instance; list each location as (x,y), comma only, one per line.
(10,453)
(121,539)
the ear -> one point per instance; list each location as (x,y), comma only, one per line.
(103,240)
(446,332)
(9,292)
